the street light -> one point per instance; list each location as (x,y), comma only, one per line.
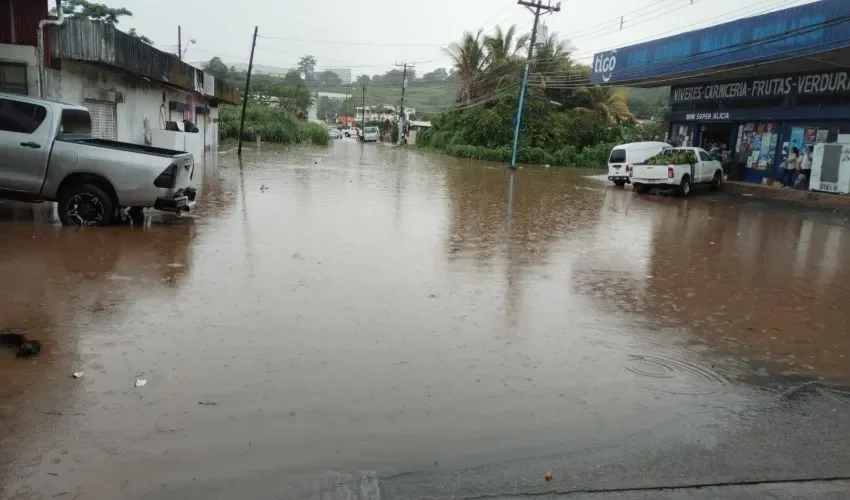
(183,55)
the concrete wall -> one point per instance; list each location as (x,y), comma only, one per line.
(145,104)
(22,54)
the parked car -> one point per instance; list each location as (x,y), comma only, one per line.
(47,153)
(677,168)
(370,134)
(625,155)
(334,133)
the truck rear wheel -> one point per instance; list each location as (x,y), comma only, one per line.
(685,186)
(85,205)
(717,181)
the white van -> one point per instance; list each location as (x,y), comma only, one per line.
(625,155)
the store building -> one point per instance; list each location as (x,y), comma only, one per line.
(760,85)
(134,92)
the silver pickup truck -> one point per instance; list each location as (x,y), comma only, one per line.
(47,154)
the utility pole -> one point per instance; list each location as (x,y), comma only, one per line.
(401,110)
(179,42)
(538,8)
(363,125)
(247,91)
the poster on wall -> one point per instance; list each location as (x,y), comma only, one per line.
(810,136)
(797,138)
(822,135)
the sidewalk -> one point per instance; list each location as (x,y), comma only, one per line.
(810,198)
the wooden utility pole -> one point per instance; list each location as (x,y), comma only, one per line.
(179,42)
(247,91)
(401,117)
(538,8)
(363,125)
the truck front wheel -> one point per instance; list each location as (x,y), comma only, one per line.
(85,205)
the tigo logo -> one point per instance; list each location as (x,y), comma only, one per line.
(605,64)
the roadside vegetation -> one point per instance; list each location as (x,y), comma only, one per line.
(275,125)
(565,122)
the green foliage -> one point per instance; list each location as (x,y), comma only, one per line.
(271,124)
(216,68)
(294,95)
(307,67)
(314,133)
(83,9)
(549,134)
(673,157)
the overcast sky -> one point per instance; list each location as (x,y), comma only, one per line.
(369,36)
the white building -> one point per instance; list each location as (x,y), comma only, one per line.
(133,91)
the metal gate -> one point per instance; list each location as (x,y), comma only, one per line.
(104,124)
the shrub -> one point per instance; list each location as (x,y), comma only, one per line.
(314,133)
(270,124)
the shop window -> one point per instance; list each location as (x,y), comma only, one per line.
(13,78)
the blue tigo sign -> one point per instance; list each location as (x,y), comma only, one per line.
(797,31)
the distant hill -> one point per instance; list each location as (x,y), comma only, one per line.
(260,68)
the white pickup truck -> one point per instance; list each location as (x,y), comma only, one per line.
(679,169)
(47,153)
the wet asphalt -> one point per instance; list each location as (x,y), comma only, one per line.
(364,322)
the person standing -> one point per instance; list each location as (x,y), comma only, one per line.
(791,166)
(806,167)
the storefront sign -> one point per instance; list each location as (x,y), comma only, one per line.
(705,117)
(821,83)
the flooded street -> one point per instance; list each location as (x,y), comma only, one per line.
(382,323)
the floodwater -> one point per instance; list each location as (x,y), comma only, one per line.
(365,321)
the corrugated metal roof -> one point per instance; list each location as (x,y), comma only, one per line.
(100,43)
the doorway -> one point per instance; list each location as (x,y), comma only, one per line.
(717,134)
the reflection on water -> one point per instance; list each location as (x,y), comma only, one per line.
(376,308)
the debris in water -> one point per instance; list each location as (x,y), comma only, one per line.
(747,194)
(176,265)
(208,403)
(26,348)
(78,374)
(140,382)
(548,476)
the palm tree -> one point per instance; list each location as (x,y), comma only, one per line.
(502,47)
(551,62)
(607,102)
(470,60)
(503,57)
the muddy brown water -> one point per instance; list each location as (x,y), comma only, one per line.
(386,310)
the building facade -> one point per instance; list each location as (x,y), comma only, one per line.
(761,86)
(134,92)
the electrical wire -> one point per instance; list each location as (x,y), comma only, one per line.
(780,5)
(578,55)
